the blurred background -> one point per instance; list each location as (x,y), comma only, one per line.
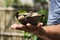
(8,8)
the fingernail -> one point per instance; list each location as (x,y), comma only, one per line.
(41,23)
(28,24)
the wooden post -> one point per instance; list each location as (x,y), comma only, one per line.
(6,18)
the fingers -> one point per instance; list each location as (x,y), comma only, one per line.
(28,27)
(34,29)
(19,27)
(16,26)
(40,25)
(31,27)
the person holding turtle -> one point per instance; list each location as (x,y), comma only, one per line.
(52,30)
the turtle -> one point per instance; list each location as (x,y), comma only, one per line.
(31,17)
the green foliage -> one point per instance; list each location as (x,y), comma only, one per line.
(22,11)
(44,19)
(41,0)
(8,3)
(37,0)
(42,12)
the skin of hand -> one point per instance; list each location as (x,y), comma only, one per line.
(52,31)
(28,27)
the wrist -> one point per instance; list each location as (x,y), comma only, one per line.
(45,30)
(41,32)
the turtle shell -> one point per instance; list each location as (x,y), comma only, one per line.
(33,19)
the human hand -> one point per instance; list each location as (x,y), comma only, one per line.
(28,27)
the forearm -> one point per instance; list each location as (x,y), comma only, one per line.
(53,32)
